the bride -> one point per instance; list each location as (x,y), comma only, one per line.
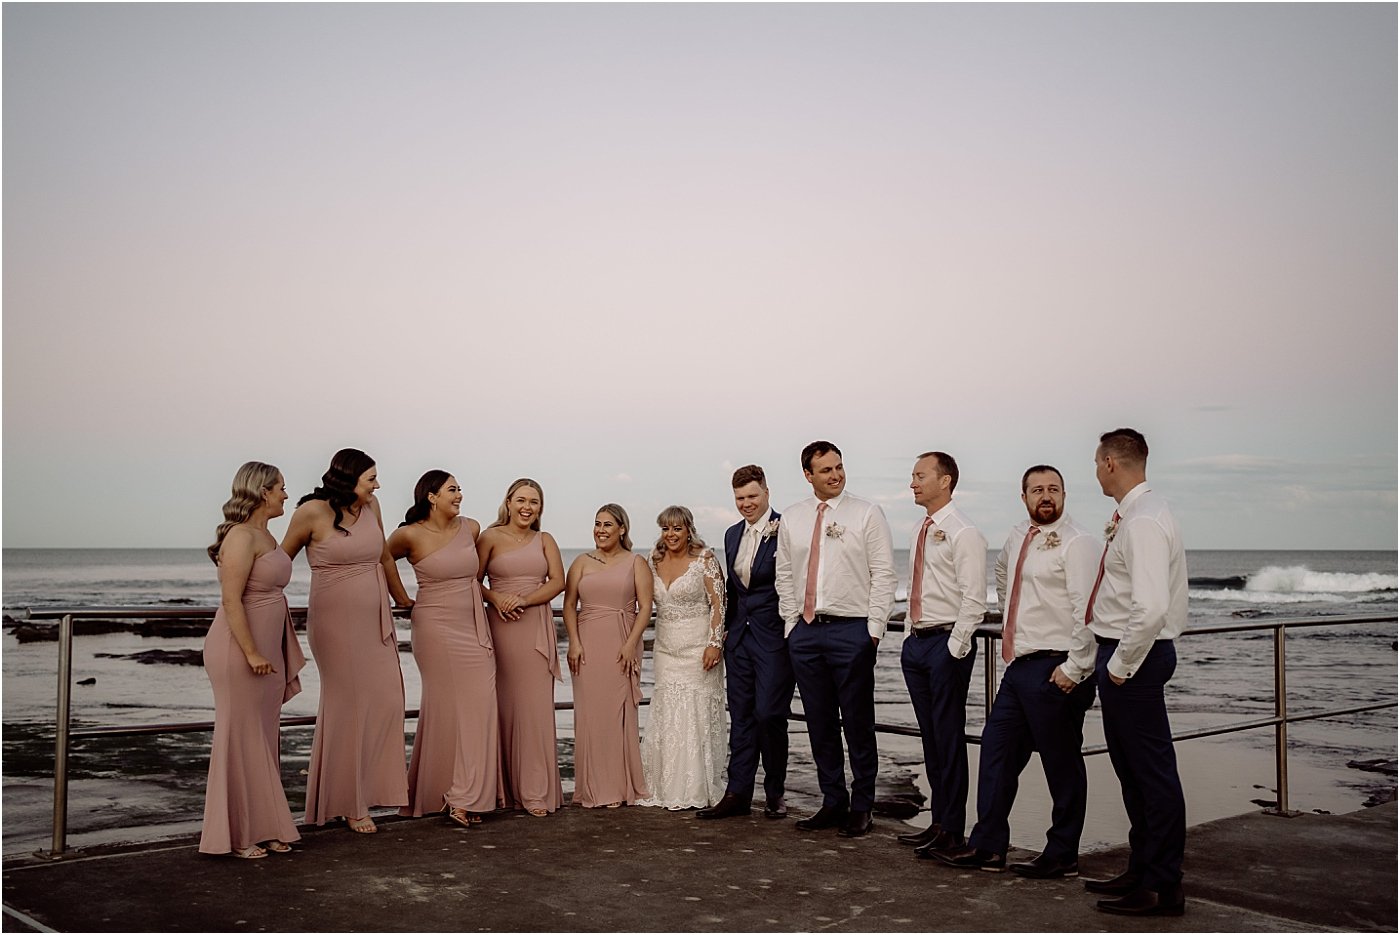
(683,752)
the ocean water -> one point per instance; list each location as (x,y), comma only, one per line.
(126,788)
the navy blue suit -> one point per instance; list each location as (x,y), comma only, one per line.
(759,679)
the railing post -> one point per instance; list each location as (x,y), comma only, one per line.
(60,743)
(1281,728)
(989,677)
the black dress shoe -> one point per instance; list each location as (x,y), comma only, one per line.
(970,858)
(1121,885)
(1146,903)
(920,838)
(828,816)
(942,841)
(858,824)
(728,806)
(775,808)
(1043,867)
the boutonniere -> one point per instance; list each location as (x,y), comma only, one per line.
(1052,541)
(940,536)
(1110,530)
(771,529)
(833,531)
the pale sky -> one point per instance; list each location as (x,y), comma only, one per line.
(624,249)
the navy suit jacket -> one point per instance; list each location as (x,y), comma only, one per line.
(752,612)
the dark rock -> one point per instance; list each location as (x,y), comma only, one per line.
(88,681)
(1379,797)
(1374,766)
(150,657)
(172,627)
(405,646)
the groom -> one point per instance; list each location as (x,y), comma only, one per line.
(759,679)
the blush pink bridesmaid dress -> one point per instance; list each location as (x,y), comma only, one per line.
(456,749)
(527,666)
(607,745)
(245,804)
(357,755)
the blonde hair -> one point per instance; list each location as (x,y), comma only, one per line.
(619,514)
(250,482)
(678,516)
(503,514)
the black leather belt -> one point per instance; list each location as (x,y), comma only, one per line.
(921,632)
(832,618)
(1044,654)
(1104,640)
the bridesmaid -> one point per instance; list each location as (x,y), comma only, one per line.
(607,603)
(357,753)
(456,749)
(526,573)
(252,658)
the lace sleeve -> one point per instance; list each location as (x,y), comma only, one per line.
(714,589)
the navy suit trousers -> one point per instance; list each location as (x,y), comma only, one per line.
(938,691)
(1031,714)
(1140,745)
(835,667)
(759,683)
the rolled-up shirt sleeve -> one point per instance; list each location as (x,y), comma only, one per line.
(970,568)
(1147,549)
(787,602)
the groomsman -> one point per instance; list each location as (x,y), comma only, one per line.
(836,586)
(947,602)
(1043,574)
(758,676)
(1137,608)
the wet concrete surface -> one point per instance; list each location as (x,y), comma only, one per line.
(636,869)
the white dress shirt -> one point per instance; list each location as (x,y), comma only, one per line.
(748,546)
(1055,584)
(1142,598)
(954,588)
(855,574)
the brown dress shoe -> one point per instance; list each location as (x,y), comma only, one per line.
(728,806)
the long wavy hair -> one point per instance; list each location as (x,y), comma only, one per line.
(619,514)
(673,516)
(431,482)
(503,514)
(250,483)
(338,483)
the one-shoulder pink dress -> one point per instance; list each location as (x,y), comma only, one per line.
(245,803)
(527,665)
(607,744)
(357,755)
(456,749)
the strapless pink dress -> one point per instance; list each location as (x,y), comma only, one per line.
(607,744)
(456,749)
(357,755)
(245,803)
(527,665)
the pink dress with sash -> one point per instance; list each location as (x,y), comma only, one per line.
(607,746)
(456,749)
(527,666)
(245,803)
(357,755)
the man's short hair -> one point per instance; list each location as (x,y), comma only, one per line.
(1126,445)
(946,465)
(816,449)
(1036,469)
(750,474)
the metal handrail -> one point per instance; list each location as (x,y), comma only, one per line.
(989,632)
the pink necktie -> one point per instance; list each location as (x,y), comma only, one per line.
(916,584)
(1008,630)
(809,595)
(1089,610)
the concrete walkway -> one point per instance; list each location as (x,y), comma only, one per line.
(638,869)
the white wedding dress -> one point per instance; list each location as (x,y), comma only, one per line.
(687,737)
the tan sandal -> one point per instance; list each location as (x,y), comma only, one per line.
(459,816)
(278,847)
(363,825)
(539,811)
(251,852)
